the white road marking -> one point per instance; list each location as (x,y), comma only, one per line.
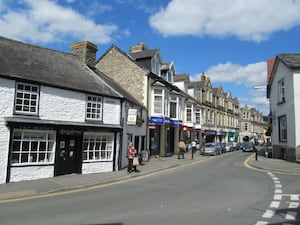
(274,204)
(268,214)
(261,223)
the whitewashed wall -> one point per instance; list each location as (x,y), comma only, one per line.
(31,173)
(97,167)
(63,105)
(296,90)
(54,104)
(7,93)
(286,108)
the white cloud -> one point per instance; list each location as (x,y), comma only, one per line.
(46,21)
(250,75)
(251,20)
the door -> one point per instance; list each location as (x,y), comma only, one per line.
(69,154)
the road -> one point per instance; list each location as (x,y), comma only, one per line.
(218,191)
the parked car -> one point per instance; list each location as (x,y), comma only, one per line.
(211,148)
(235,145)
(229,147)
(248,147)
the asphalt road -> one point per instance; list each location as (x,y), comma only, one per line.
(218,191)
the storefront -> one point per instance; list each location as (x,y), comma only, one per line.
(163,135)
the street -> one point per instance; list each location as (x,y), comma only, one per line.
(220,190)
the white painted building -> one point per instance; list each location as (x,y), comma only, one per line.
(57,115)
(285,106)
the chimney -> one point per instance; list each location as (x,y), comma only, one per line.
(138,48)
(203,76)
(86,51)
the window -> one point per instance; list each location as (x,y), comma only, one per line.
(94,107)
(188,111)
(166,104)
(281,91)
(282,128)
(33,147)
(26,99)
(246,127)
(198,115)
(173,107)
(97,147)
(158,101)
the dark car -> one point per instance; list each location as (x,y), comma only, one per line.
(248,147)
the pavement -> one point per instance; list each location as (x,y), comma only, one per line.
(35,188)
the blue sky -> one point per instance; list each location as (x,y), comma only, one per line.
(228,40)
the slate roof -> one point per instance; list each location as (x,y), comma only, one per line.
(25,62)
(144,54)
(290,60)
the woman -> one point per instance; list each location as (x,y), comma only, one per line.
(131,154)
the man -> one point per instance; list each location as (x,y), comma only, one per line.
(181,149)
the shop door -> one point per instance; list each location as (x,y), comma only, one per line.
(69,155)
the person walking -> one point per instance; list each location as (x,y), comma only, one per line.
(181,149)
(194,143)
(131,154)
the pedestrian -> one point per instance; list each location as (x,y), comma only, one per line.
(181,149)
(131,154)
(194,143)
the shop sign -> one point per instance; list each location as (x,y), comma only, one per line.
(156,120)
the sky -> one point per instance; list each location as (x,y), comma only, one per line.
(230,41)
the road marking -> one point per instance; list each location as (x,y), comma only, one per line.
(277,197)
(278,191)
(268,214)
(278,186)
(274,204)
(261,223)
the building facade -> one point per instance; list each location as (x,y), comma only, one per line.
(284,96)
(57,115)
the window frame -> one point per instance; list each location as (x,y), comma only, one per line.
(158,103)
(282,128)
(94,110)
(34,140)
(281,91)
(26,95)
(98,147)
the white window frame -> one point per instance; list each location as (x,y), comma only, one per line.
(282,126)
(281,91)
(33,147)
(27,98)
(94,105)
(198,115)
(188,112)
(97,146)
(158,101)
(174,109)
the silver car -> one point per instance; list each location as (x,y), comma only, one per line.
(211,148)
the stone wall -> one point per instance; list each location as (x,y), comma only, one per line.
(284,152)
(126,72)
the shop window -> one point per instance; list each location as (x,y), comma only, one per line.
(97,147)
(33,147)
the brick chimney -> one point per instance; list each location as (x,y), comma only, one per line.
(138,48)
(86,51)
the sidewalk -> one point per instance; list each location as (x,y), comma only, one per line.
(74,181)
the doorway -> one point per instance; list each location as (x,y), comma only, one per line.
(69,153)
